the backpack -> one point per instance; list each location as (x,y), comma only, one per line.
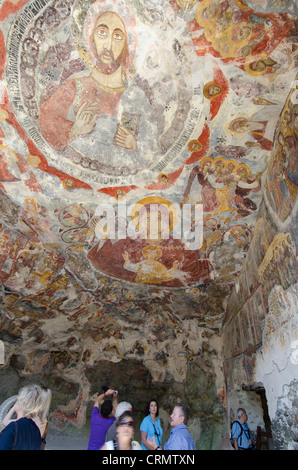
(231,438)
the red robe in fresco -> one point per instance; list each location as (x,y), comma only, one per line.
(58,112)
(108,259)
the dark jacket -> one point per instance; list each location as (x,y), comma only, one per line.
(22,434)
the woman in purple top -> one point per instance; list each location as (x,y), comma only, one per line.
(101,421)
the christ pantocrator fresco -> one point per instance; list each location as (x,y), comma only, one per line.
(101,114)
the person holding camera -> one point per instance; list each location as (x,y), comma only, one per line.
(102,420)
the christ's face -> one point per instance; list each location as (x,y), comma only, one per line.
(110,40)
(152,255)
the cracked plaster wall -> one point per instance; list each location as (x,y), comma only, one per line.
(73,329)
(261,331)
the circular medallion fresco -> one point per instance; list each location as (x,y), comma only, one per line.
(99,98)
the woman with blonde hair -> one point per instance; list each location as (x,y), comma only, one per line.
(27,431)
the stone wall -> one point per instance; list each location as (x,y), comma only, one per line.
(189,371)
(260,333)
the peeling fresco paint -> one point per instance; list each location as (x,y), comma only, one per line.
(193,108)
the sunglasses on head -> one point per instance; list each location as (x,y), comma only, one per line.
(126,423)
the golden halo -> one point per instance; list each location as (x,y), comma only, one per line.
(219,159)
(207,14)
(162,175)
(251,60)
(242,165)
(233,162)
(33,160)
(241,4)
(234,230)
(155,200)
(205,159)
(186,4)
(68,184)
(236,132)
(150,247)
(194,146)
(206,92)
(32,201)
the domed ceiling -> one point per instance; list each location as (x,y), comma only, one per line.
(116,116)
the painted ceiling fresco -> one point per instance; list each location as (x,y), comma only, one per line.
(130,104)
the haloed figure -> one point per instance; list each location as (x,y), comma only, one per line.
(102,114)
(96,93)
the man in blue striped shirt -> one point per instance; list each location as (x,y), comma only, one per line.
(180,439)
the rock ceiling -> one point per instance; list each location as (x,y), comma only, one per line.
(181,114)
